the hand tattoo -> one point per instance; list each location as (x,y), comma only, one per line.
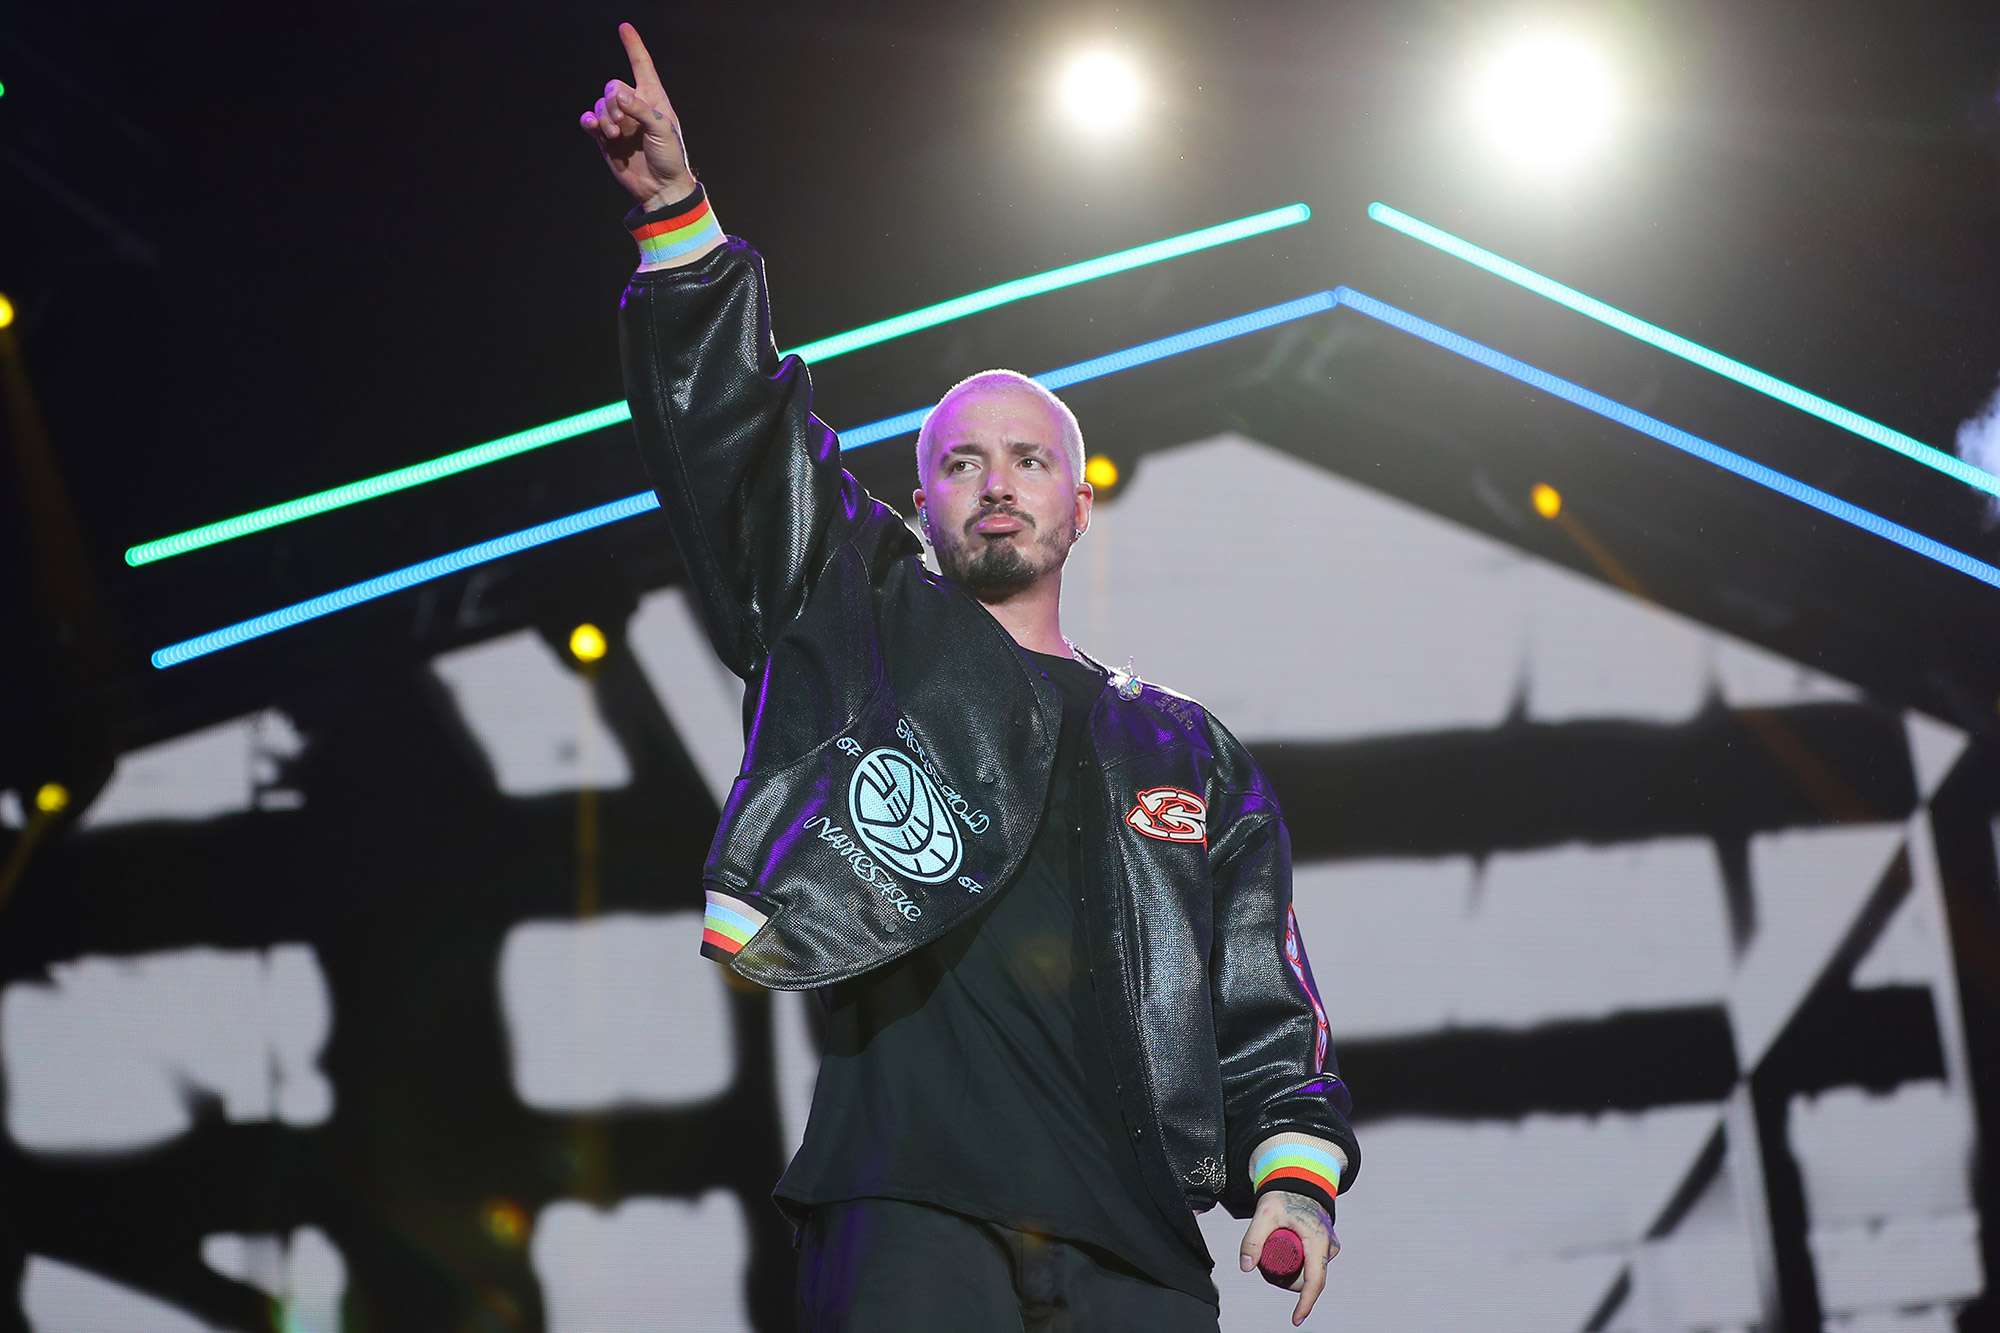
(1298,1208)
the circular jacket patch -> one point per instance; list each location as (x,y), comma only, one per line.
(900,815)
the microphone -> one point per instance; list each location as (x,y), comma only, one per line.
(1282,1257)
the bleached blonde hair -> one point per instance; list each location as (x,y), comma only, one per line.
(1072,434)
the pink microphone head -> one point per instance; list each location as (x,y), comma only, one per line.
(1282,1257)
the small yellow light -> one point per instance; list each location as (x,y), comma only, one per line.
(52,798)
(587,642)
(1548,500)
(1100,471)
(505,1221)
(6,313)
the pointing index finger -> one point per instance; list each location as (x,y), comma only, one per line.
(644,77)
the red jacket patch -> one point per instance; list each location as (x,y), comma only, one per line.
(1171,815)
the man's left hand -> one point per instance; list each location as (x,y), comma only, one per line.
(1283,1208)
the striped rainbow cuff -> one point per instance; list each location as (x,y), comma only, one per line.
(1296,1161)
(678,229)
(727,924)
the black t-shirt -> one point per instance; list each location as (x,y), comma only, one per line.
(973,1073)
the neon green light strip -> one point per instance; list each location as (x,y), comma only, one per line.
(370,488)
(1653,335)
(1056,278)
(447,465)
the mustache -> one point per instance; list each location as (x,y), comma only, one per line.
(998,512)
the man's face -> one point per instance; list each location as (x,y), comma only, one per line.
(996,481)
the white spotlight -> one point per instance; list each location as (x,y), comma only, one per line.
(1545,99)
(1100,90)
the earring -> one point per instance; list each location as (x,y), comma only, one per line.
(1079,532)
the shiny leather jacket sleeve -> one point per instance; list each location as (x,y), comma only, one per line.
(749,479)
(1285,1106)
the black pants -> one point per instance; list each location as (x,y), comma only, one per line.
(888,1265)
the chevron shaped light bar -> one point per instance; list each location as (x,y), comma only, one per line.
(1207,335)
(611,414)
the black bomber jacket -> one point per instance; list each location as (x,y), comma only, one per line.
(899,748)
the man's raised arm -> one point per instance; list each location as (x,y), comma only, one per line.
(749,479)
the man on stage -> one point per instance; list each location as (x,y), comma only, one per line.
(1046,906)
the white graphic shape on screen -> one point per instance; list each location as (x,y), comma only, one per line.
(224,769)
(533,717)
(111,1053)
(1904,1233)
(702,697)
(1553,934)
(616,1269)
(614,1012)
(1595,652)
(1415,624)
(1752,677)
(306,1273)
(61,1298)
(1810,884)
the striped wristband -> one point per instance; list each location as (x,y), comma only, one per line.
(728,923)
(673,230)
(1300,1168)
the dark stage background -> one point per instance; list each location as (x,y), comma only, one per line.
(1646,852)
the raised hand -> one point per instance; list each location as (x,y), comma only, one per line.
(636,130)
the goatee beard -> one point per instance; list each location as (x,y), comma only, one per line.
(997,572)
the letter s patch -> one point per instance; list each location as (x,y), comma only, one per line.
(1171,815)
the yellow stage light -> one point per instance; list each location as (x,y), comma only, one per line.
(6,313)
(52,798)
(506,1221)
(587,642)
(1100,471)
(1548,500)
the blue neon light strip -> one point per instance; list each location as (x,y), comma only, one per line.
(407,577)
(1674,344)
(1715,454)
(888,428)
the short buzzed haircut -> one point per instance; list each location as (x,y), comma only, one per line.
(1072,434)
